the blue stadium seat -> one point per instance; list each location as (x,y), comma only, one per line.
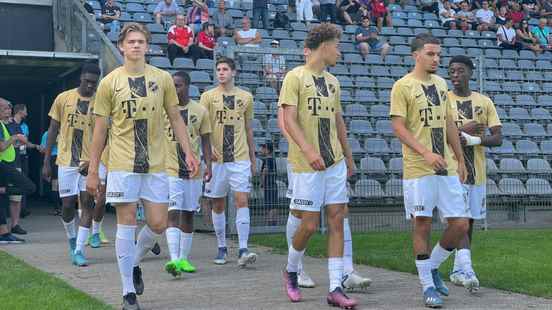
(135,7)
(155,28)
(368,188)
(356,149)
(205,64)
(512,186)
(492,189)
(396,165)
(394,187)
(534,131)
(360,127)
(155,50)
(541,114)
(184,63)
(511,165)
(283,146)
(352,58)
(298,26)
(363,95)
(543,64)
(142,17)
(376,146)
(160,62)
(511,130)
(538,165)
(538,187)
(396,146)
(544,100)
(371,165)
(280,34)
(193,91)
(507,148)
(356,109)
(384,127)
(546,147)
(379,110)
(272,124)
(492,169)
(519,114)
(200,77)
(527,147)
(527,65)
(365,82)
(158,38)
(525,54)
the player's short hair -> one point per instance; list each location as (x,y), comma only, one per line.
(422,39)
(462,59)
(320,34)
(18,108)
(133,27)
(184,76)
(226,60)
(91,68)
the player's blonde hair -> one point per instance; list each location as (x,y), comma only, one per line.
(133,27)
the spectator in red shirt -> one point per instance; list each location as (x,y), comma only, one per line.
(205,43)
(180,38)
(516,14)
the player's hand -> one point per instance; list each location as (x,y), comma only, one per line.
(93,184)
(208,174)
(474,128)
(351,167)
(314,159)
(462,172)
(193,164)
(46,171)
(214,155)
(253,167)
(436,161)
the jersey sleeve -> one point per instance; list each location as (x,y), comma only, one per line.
(170,98)
(492,116)
(338,107)
(56,109)
(104,95)
(205,102)
(249,109)
(289,94)
(399,101)
(452,109)
(205,126)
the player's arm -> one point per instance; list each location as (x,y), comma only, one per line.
(53,131)
(181,132)
(296,133)
(281,124)
(4,144)
(494,139)
(206,149)
(99,136)
(342,136)
(251,145)
(453,138)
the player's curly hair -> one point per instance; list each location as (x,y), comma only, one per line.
(133,27)
(322,33)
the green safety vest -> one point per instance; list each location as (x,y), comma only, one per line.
(8,155)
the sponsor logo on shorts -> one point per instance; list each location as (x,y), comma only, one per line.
(303,202)
(172,203)
(419,208)
(115,194)
(64,191)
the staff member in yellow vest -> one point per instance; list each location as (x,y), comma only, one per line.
(12,181)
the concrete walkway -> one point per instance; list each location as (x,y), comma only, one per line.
(229,287)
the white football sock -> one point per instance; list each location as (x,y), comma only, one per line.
(146,241)
(219,223)
(173,242)
(125,249)
(424,273)
(438,256)
(70,230)
(464,260)
(294,257)
(242,226)
(81,238)
(96,226)
(335,271)
(347,248)
(293,223)
(185,244)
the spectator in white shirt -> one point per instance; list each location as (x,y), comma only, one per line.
(485,17)
(448,16)
(166,11)
(274,66)
(248,36)
(506,37)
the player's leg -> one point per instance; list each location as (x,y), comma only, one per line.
(351,279)
(173,232)
(86,203)
(186,223)
(239,178)
(216,190)
(68,189)
(97,237)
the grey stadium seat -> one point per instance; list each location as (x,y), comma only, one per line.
(519,114)
(372,165)
(376,146)
(394,188)
(200,77)
(368,188)
(396,165)
(361,127)
(491,167)
(492,188)
(512,186)
(511,165)
(540,114)
(538,165)
(384,127)
(160,62)
(184,63)
(539,187)
(527,147)
(355,146)
(534,130)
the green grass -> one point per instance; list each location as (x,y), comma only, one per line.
(512,260)
(25,287)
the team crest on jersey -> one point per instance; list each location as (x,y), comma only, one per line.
(321,89)
(331,87)
(478,110)
(137,87)
(229,101)
(240,103)
(465,109)
(152,86)
(193,119)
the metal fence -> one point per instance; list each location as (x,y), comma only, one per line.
(82,34)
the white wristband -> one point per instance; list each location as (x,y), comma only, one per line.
(471,140)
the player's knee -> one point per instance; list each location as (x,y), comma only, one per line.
(310,226)
(462,226)
(157,227)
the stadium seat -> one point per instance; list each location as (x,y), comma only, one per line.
(394,187)
(491,167)
(379,110)
(506,148)
(538,165)
(355,147)
(371,165)
(356,109)
(512,186)
(546,147)
(396,146)
(142,17)
(363,95)
(200,77)
(368,188)
(504,100)
(525,100)
(184,63)
(538,187)
(281,166)
(511,165)
(257,127)
(155,28)
(193,91)
(492,189)
(135,7)
(541,114)
(535,131)
(511,130)
(527,147)
(384,127)
(160,62)
(283,146)
(272,126)
(376,146)
(519,114)
(361,127)
(396,165)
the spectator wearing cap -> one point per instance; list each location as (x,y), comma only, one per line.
(448,16)
(268,181)
(367,40)
(110,16)
(542,33)
(180,38)
(198,14)
(274,66)
(222,21)
(485,17)
(166,11)
(506,37)
(527,39)
(205,43)
(247,36)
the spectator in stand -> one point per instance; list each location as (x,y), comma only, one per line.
(367,40)
(431,6)
(546,8)
(506,37)
(205,43)
(349,11)
(165,12)
(531,8)
(328,9)
(110,16)
(448,16)
(247,36)
(274,66)
(527,39)
(485,17)
(502,16)
(268,182)
(222,21)
(260,13)
(516,14)
(180,37)
(198,14)
(542,33)
(380,13)
(466,17)
(304,11)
